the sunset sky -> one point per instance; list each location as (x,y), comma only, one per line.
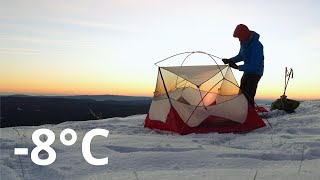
(110,47)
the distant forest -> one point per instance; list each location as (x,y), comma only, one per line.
(19,110)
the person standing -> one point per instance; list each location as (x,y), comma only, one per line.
(251,53)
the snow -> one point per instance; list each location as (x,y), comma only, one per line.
(288,150)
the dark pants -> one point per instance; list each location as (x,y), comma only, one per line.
(249,84)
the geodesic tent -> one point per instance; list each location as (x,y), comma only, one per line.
(200,99)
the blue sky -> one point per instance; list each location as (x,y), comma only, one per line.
(110,47)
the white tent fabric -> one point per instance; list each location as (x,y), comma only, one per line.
(196,74)
(200,99)
(197,92)
(228,109)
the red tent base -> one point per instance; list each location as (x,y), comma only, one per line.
(175,124)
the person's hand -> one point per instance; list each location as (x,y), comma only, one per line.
(226,61)
(233,65)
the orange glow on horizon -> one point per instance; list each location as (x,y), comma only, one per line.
(95,86)
(72,85)
(291,95)
(81,89)
(77,91)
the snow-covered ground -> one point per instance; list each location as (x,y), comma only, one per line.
(289,150)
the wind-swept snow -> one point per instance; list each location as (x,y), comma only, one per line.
(289,150)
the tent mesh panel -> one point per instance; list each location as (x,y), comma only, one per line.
(220,87)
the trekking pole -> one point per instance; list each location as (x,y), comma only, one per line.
(288,76)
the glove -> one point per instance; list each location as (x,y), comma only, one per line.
(233,65)
(226,61)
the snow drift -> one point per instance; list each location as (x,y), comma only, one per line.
(289,150)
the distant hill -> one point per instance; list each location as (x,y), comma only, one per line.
(21,110)
(92,97)
(264,101)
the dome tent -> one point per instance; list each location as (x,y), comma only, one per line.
(200,99)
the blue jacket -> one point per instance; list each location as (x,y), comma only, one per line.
(251,53)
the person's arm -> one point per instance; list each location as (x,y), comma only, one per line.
(237,58)
(256,60)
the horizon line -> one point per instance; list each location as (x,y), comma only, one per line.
(28,94)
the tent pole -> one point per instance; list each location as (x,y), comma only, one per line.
(165,88)
(201,97)
(198,106)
